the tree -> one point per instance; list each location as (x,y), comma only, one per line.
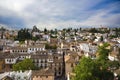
(63,33)
(114,65)
(80,28)
(86,70)
(102,57)
(95,69)
(75,30)
(35,38)
(89,69)
(103,51)
(103,62)
(101,38)
(23,35)
(2,29)
(26,64)
(56,31)
(48,46)
(45,31)
(51,31)
(35,29)
(118,55)
(68,30)
(93,30)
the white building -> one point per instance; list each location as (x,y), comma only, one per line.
(11,59)
(35,48)
(26,75)
(84,47)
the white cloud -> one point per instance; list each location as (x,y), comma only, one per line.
(59,13)
(15,5)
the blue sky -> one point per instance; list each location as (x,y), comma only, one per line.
(59,13)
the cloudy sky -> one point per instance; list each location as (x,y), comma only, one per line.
(59,13)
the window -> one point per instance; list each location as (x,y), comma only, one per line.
(45,65)
(41,66)
(71,64)
(59,72)
(36,76)
(41,61)
(45,61)
(59,68)
(10,60)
